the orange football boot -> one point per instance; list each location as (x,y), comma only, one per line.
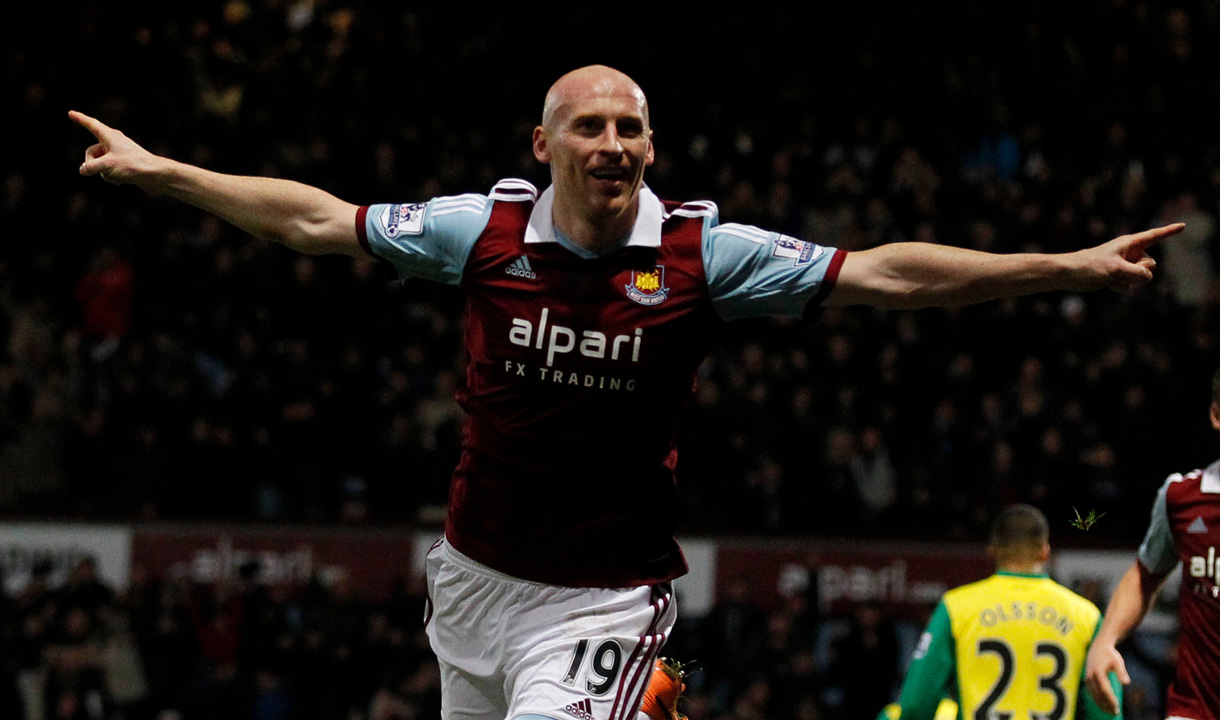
(664,689)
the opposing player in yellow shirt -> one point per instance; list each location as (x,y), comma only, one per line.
(1011,646)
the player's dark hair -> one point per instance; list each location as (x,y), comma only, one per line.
(1019,528)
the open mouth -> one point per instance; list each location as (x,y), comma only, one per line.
(612,174)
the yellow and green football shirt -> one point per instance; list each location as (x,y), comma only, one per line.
(1011,646)
(947,710)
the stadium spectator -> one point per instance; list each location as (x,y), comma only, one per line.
(865,662)
(106,293)
(1189,267)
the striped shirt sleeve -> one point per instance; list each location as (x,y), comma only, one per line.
(428,240)
(753,273)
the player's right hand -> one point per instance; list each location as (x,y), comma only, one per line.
(116,157)
(1104,659)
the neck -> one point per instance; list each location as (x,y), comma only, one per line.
(1024,567)
(592,230)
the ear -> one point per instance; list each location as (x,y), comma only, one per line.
(1216,415)
(541,151)
(650,155)
(1045,553)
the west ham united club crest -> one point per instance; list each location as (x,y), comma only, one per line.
(648,286)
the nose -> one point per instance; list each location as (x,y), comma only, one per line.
(610,142)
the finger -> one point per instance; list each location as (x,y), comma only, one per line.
(93,125)
(1102,693)
(92,166)
(1120,667)
(1131,278)
(95,151)
(1144,239)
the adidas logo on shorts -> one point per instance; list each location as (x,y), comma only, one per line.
(582,709)
(521,268)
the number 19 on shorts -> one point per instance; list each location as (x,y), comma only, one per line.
(605,662)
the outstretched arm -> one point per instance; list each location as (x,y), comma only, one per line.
(914,275)
(301,217)
(1131,601)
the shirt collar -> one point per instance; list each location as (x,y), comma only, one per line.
(645,233)
(1211,478)
(1010,573)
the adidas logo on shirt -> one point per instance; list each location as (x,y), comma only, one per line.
(521,268)
(1197,527)
(582,709)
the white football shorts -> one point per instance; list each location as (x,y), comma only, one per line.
(510,648)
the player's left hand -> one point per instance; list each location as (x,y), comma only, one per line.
(1120,264)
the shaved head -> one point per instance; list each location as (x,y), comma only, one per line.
(588,82)
(595,136)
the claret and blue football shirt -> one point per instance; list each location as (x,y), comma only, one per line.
(580,364)
(1185,528)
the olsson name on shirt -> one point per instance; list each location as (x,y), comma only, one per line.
(561,340)
(1027,611)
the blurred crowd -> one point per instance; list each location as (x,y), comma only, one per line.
(167,648)
(170,649)
(155,363)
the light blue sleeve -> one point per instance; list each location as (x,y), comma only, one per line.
(429,240)
(1158,553)
(752,272)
